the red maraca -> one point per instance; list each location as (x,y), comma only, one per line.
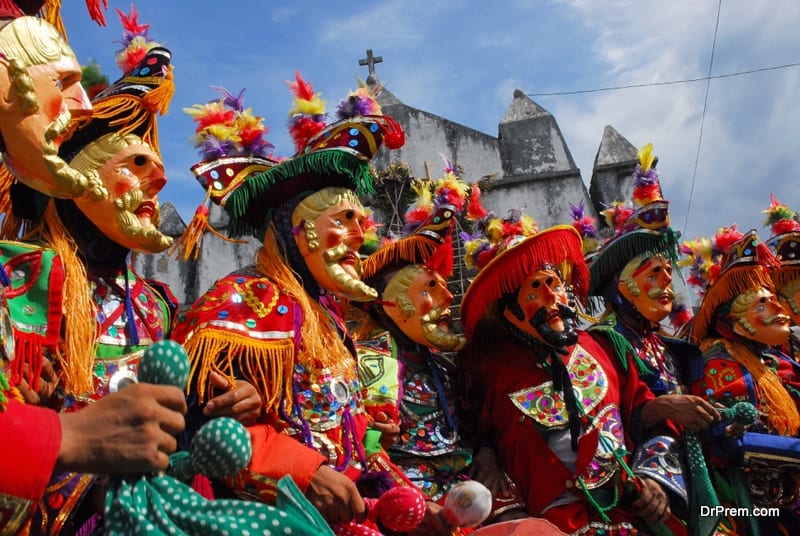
(399,509)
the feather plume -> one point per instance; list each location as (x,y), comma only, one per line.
(306,102)
(780,218)
(616,214)
(646,187)
(451,190)
(136,42)
(226,128)
(475,209)
(235,103)
(585,225)
(362,101)
(725,238)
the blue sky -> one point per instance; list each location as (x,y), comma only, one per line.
(463,60)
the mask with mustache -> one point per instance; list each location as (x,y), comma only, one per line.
(556,339)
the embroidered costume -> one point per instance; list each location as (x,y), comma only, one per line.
(73,297)
(631,278)
(743,362)
(273,324)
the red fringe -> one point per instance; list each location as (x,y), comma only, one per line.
(28,359)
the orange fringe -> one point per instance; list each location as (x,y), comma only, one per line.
(80,324)
(776,403)
(321,344)
(267,365)
(52,14)
(127,114)
(157,100)
(412,249)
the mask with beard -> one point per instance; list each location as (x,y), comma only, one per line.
(551,337)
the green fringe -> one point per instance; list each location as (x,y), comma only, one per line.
(622,347)
(333,167)
(613,257)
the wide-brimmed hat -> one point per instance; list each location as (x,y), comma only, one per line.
(511,257)
(328,156)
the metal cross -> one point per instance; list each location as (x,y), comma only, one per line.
(370,61)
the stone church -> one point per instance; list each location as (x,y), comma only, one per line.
(529,162)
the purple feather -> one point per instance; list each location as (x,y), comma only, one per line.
(262,148)
(576,211)
(236,103)
(212,147)
(353,106)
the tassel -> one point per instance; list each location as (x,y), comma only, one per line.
(188,245)
(157,101)
(202,485)
(80,325)
(441,261)
(52,14)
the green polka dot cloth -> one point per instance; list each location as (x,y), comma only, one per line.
(166,363)
(151,505)
(164,504)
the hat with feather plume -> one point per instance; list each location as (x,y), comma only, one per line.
(641,228)
(232,144)
(784,242)
(724,267)
(427,236)
(327,155)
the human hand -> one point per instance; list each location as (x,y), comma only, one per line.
(48,382)
(390,431)
(240,401)
(689,411)
(130,431)
(486,470)
(434,522)
(652,504)
(335,496)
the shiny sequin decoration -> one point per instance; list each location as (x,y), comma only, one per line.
(546,407)
(323,397)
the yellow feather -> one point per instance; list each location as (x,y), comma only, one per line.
(646,157)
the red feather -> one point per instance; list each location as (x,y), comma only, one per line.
(95,12)
(301,89)
(726,237)
(475,209)
(130,23)
(441,261)
(303,129)
(785,226)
